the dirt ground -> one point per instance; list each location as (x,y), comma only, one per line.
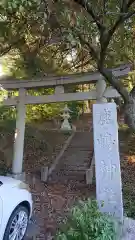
(52,201)
(127,156)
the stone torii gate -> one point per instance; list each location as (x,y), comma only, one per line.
(101,93)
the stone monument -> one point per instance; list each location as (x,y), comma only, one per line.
(107,161)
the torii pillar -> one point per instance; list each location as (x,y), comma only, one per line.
(100,89)
(17,164)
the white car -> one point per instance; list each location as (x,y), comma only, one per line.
(15,208)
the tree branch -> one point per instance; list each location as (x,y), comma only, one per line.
(105,38)
(120,20)
(107,35)
(83,64)
(15,39)
(125,5)
(92,51)
(8,48)
(126,15)
(130,2)
(89,9)
(5,50)
(115,83)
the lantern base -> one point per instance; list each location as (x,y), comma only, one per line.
(66,126)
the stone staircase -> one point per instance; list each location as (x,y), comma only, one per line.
(75,161)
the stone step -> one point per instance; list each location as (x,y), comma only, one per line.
(71,172)
(65,180)
(74,164)
(77,154)
(81,147)
(75,161)
(81,144)
(79,139)
(72,168)
(68,175)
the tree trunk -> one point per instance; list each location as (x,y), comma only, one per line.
(129,112)
(128,108)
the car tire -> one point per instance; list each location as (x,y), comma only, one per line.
(19,212)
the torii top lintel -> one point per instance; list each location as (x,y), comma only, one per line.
(53,81)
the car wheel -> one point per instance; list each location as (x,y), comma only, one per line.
(17,224)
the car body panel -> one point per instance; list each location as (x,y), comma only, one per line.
(11,196)
(1,211)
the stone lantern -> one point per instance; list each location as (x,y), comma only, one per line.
(66,126)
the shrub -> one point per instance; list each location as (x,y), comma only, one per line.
(86,222)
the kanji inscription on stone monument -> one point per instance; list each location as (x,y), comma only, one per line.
(106,150)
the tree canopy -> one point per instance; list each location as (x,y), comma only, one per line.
(39,34)
(103,31)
